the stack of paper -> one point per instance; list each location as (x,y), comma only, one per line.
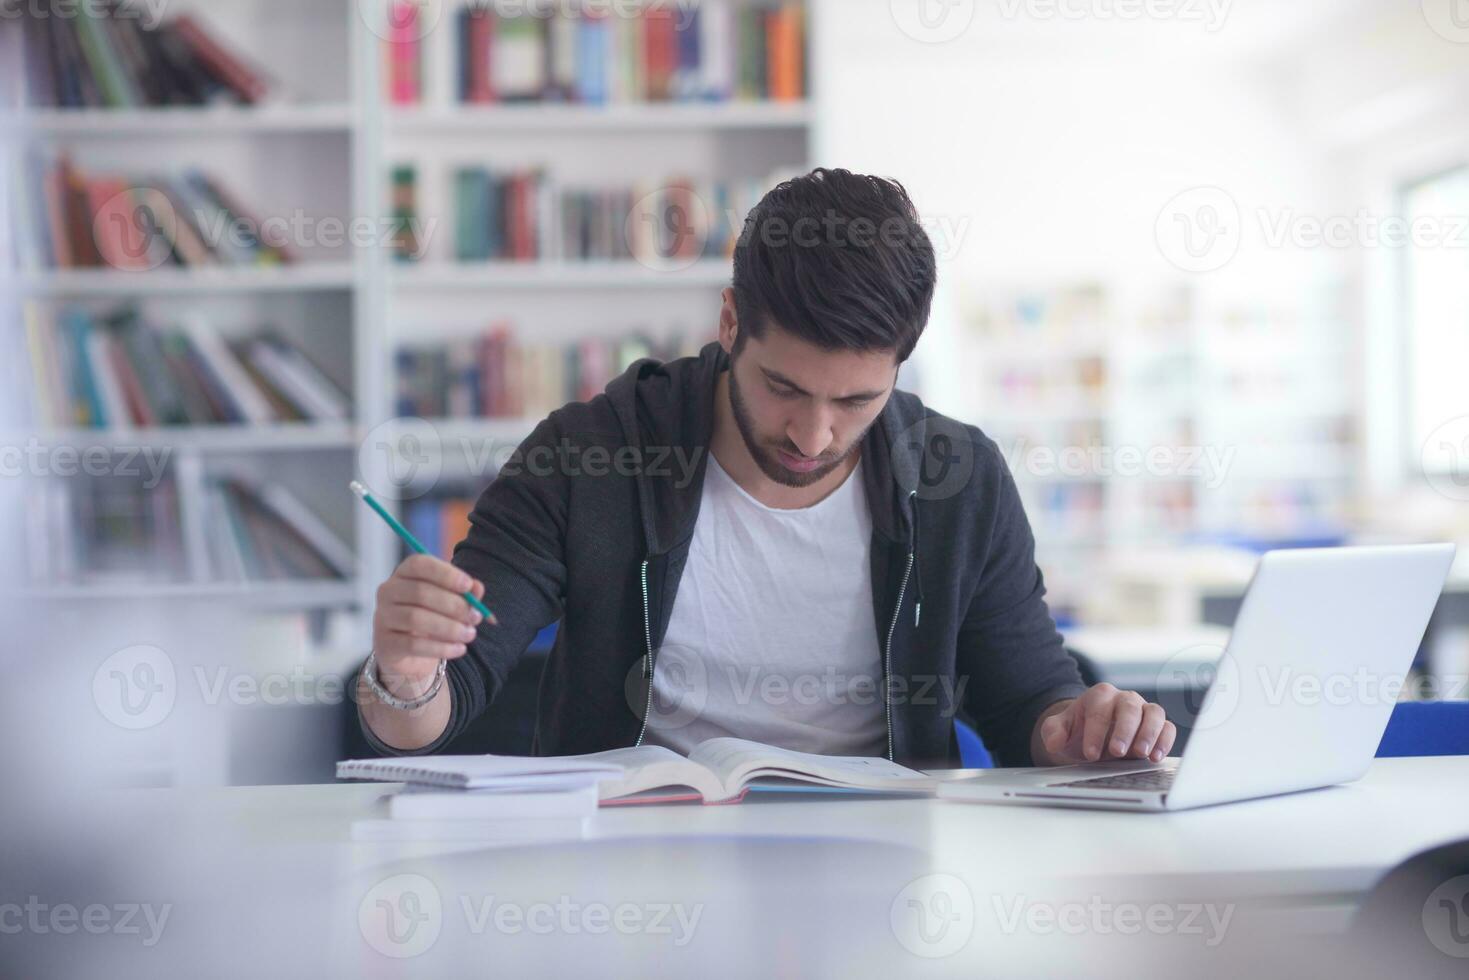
(482,799)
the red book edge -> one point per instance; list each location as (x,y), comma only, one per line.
(688,797)
(233,69)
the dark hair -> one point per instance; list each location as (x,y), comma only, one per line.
(838,259)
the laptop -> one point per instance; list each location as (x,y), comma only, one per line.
(1299,698)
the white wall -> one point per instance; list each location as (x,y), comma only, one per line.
(1053,144)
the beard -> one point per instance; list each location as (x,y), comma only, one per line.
(765,457)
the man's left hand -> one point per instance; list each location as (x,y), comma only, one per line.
(1104,723)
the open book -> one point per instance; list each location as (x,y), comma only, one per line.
(722,769)
(717,771)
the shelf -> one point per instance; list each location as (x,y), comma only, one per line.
(204,121)
(559,275)
(283,436)
(459,120)
(281,595)
(300,277)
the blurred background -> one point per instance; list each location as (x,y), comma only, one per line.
(1204,277)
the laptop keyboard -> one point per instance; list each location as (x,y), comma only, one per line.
(1151,779)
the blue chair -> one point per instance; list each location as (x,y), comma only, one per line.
(1426,728)
(972,753)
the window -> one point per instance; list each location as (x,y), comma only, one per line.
(1436,311)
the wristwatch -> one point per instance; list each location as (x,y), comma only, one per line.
(369,673)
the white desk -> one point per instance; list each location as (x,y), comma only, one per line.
(266,881)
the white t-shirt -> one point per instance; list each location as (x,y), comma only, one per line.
(772,635)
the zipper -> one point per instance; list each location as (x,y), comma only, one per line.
(647,656)
(887,667)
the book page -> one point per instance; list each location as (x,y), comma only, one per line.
(648,767)
(738,761)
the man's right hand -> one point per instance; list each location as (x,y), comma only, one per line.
(421,619)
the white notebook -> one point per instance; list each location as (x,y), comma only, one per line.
(480,771)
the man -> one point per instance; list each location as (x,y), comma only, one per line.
(767,540)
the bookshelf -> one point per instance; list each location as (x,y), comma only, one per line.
(1095,372)
(324,144)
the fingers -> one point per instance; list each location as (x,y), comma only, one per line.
(1144,743)
(1164,745)
(435,571)
(1127,718)
(424,623)
(1056,729)
(399,649)
(416,592)
(1097,708)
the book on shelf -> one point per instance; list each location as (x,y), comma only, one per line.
(658,51)
(439,522)
(495,376)
(108,56)
(71,220)
(525,215)
(179,525)
(116,371)
(719,770)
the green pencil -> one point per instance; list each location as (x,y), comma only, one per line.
(413,543)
